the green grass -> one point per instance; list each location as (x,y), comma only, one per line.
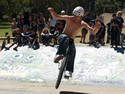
(5,27)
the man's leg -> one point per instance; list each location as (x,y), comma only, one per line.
(71,59)
(63,44)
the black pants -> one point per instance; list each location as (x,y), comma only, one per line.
(114,36)
(64,42)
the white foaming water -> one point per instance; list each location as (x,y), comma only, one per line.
(103,66)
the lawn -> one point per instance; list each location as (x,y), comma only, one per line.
(5,27)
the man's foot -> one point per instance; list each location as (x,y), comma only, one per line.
(58,58)
(68,74)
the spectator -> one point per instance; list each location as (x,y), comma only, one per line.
(14,27)
(25,37)
(114,30)
(121,21)
(30,23)
(46,37)
(60,24)
(55,36)
(101,17)
(34,23)
(100,35)
(26,21)
(33,40)
(84,31)
(108,32)
(41,25)
(52,23)
(20,23)
(92,38)
(17,40)
(83,37)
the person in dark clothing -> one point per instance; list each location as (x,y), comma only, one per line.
(34,23)
(33,40)
(108,32)
(41,25)
(121,21)
(25,36)
(60,24)
(55,36)
(20,23)
(30,23)
(26,21)
(46,37)
(101,34)
(114,31)
(17,40)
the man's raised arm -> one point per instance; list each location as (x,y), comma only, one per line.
(55,15)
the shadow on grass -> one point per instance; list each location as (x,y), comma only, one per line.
(5,27)
(68,92)
(4,24)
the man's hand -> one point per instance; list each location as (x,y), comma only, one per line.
(50,9)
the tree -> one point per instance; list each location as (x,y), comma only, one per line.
(15,7)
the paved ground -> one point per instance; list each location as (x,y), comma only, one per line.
(16,87)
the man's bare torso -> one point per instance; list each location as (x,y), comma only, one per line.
(72,28)
(74,24)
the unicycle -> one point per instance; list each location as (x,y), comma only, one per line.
(62,68)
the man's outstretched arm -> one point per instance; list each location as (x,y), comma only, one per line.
(55,15)
(92,30)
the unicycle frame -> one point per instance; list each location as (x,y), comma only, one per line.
(62,68)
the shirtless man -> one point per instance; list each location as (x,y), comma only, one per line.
(74,24)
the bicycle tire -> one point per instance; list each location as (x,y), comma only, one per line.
(62,68)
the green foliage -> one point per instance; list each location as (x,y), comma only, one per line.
(107,6)
(14,7)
